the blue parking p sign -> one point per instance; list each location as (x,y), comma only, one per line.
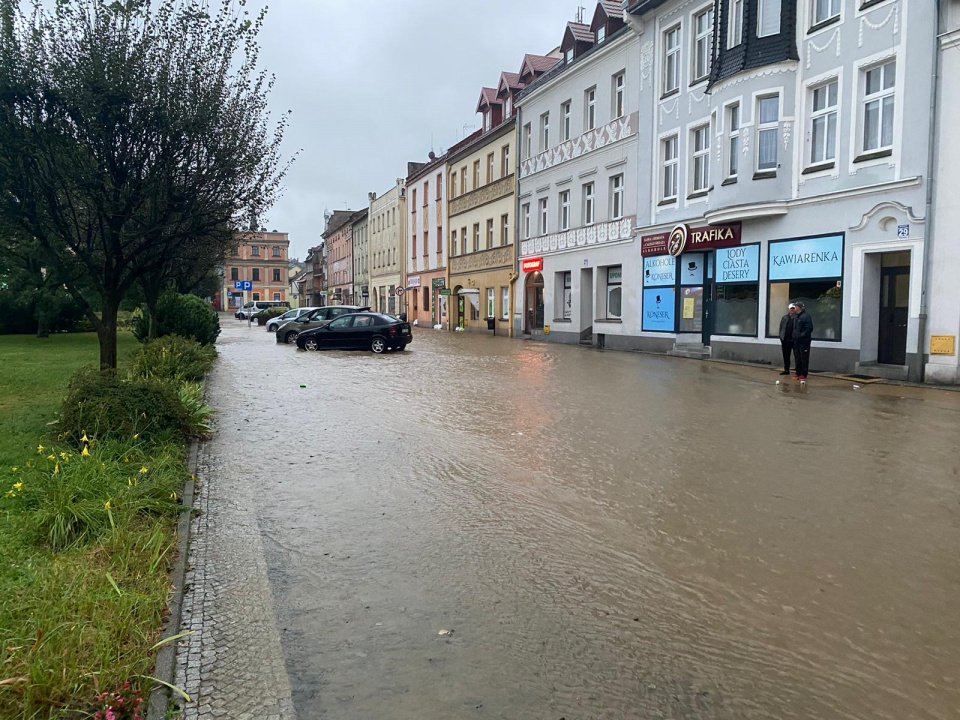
(238,284)
(247,285)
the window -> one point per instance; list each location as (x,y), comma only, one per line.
(565,121)
(525,210)
(543,216)
(256,296)
(276,251)
(489,234)
(505,168)
(463,241)
(565,210)
(601,34)
(670,168)
(733,144)
(453,242)
(426,241)
(414,295)
(476,174)
(614,291)
(276,296)
(701,159)
(276,275)
(544,132)
(476,237)
(734,23)
(768,19)
(702,44)
(504,230)
(509,110)
(619,93)
(568,56)
(822,298)
(588,213)
(824,10)
(463,180)
(439,239)
(486,121)
(489,168)
(439,186)
(590,109)
(768,113)
(234,273)
(526,141)
(426,194)
(255,251)
(823,123)
(616,197)
(256,274)
(490,308)
(504,302)
(426,299)
(566,296)
(878,106)
(737,309)
(671,60)
(453,184)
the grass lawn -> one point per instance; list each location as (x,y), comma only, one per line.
(77,617)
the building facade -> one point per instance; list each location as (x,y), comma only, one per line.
(260,258)
(776,166)
(577,193)
(361,249)
(426,251)
(387,247)
(481,211)
(338,241)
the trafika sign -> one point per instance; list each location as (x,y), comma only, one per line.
(684,238)
(532,264)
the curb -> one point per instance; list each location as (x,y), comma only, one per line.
(167,655)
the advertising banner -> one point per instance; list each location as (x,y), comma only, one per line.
(820,257)
(660,270)
(739,264)
(658,309)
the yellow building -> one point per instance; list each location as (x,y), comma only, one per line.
(481,209)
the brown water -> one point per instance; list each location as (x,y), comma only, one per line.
(608,535)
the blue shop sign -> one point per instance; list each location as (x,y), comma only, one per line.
(659,270)
(820,257)
(691,269)
(658,309)
(738,264)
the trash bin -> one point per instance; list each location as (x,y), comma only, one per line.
(491,323)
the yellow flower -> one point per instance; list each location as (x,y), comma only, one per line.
(85,438)
(18,486)
(13,469)
(143,470)
(64,457)
(126,459)
(173,496)
(136,435)
(86,452)
(106,505)
(39,449)
(11,493)
(51,457)
(129,482)
(56,468)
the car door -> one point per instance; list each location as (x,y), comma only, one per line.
(364,328)
(314,319)
(337,334)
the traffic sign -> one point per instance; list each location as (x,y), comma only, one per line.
(400,291)
(247,285)
(238,284)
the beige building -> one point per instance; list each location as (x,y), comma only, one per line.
(386,248)
(482,224)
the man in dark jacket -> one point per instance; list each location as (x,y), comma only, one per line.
(786,337)
(802,335)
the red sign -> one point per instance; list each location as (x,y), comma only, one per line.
(532,264)
(684,238)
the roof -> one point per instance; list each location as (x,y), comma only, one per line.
(537,63)
(337,221)
(611,8)
(580,32)
(418,170)
(509,81)
(643,6)
(606,9)
(488,96)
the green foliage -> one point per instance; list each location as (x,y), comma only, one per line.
(200,414)
(172,358)
(270,313)
(184,315)
(102,404)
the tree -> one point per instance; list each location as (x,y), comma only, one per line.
(131,134)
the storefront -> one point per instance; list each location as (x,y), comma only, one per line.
(533,305)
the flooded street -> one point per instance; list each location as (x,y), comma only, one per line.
(607,535)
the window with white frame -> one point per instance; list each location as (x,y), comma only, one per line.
(489,234)
(590,109)
(733,140)
(565,121)
(509,110)
(566,296)
(490,310)
(569,56)
(669,159)
(504,230)
(768,17)
(476,237)
(671,60)
(453,242)
(619,94)
(565,210)
(700,145)
(453,193)
(588,204)
(616,197)
(878,106)
(527,141)
(544,132)
(702,44)
(768,131)
(824,10)
(525,214)
(463,241)
(543,216)
(734,23)
(504,302)
(614,292)
(601,34)
(823,123)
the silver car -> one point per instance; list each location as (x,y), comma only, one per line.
(273,324)
(288,331)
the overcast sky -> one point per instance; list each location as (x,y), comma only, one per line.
(371,82)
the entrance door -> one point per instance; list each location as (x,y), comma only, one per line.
(708,295)
(533,305)
(894,304)
(586,300)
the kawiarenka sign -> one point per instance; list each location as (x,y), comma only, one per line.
(820,257)
(683,238)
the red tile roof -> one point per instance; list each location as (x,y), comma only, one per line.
(580,32)
(537,63)
(488,96)
(509,81)
(612,8)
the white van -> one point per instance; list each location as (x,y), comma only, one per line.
(251,308)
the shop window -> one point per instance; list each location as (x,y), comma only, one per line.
(811,270)
(823,300)
(737,307)
(614,292)
(414,293)
(504,302)
(473,300)
(564,295)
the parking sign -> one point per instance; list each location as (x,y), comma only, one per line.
(247,285)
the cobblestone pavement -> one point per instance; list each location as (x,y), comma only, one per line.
(232,666)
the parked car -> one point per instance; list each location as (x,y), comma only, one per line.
(358,331)
(273,324)
(288,331)
(251,308)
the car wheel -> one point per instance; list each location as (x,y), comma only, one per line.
(379,345)
(290,336)
(311,344)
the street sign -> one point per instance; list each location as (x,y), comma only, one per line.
(903,231)
(445,291)
(229,293)
(238,284)
(400,291)
(247,285)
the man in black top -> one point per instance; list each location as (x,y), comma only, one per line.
(802,335)
(786,337)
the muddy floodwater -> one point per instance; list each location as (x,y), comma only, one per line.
(601,534)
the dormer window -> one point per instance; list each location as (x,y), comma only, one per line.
(569,55)
(601,34)
(509,105)
(486,121)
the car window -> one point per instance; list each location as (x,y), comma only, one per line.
(334,312)
(363,321)
(340,323)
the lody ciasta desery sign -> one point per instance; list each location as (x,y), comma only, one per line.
(684,238)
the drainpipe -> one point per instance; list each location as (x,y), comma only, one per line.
(928,214)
